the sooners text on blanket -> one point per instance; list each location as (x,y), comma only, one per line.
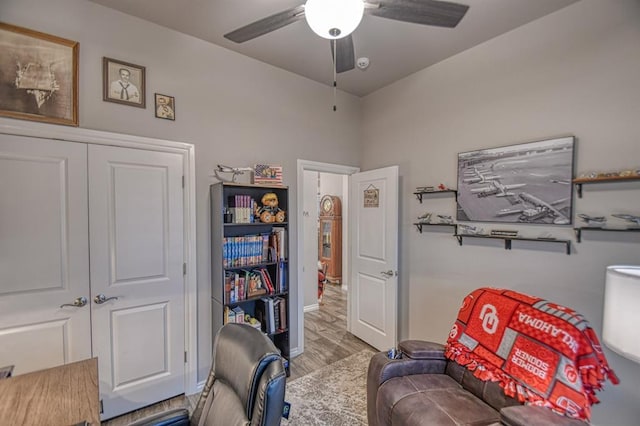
(540,352)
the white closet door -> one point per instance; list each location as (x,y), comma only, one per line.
(136,241)
(44,259)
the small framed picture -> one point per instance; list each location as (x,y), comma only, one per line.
(123,83)
(38,76)
(165,107)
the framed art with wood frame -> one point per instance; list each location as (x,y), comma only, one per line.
(38,76)
(165,107)
(123,83)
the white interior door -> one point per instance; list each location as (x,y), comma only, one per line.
(44,256)
(374,256)
(136,242)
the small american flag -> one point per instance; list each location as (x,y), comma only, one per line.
(267,174)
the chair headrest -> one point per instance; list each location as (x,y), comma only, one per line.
(240,356)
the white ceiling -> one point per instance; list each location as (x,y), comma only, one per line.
(395,49)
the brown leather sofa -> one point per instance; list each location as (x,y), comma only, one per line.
(423,388)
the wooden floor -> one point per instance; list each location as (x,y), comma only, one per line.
(326,341)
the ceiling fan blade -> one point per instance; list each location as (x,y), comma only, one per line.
(345,56)
(266,25)
(425,12)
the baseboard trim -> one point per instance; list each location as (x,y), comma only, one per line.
(311,308)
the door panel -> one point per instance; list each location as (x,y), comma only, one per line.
(372,298)
(43,253)
(374,256)
(127,326)
(140,240)
(136,240)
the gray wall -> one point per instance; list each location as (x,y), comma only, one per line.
(574,72)
(235,110)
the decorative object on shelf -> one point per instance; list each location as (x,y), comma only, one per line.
(621,315)
(540,170)
(270,212)
(446,219)
(39,76)
(442,187)
(469,229)
(425,217)
(503,233)
(425,189)
(226,169)
(165,107)
(123,83)
(265,174)
(593,221)
(635,220)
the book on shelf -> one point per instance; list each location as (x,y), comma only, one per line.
(242,208)
(244,250)
(265,314)
(239,314)
(278,244)
(280,313)
(247,283)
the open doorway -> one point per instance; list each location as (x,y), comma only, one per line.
(315,180)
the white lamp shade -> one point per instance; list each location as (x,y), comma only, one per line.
(326,16)
(621,319)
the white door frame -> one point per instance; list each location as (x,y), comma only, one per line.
(312,166)
(75,134)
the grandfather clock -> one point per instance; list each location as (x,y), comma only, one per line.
(330,250)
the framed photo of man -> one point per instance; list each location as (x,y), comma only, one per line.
(38,76)
(165,107)
(123,83)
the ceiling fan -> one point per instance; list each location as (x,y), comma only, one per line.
(337,19)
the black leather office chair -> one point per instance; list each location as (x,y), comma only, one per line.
(246,384)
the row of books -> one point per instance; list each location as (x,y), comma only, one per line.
(255,249)
(245,250)
(272,314)
(242,207)
(241,285)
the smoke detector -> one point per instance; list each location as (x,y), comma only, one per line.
(362,63)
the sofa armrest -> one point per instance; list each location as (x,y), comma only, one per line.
(419,349)
(381,368)
(529,415)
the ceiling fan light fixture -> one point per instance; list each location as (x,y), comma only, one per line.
(333,19)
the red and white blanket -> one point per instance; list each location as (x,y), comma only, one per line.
(541,353)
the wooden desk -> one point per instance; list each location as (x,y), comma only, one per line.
(58,396)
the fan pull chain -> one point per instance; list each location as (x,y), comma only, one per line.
(335,66)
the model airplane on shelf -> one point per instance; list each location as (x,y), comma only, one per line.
(446,219)
(629,218)
(234,170)
(595,221)
(424,218)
